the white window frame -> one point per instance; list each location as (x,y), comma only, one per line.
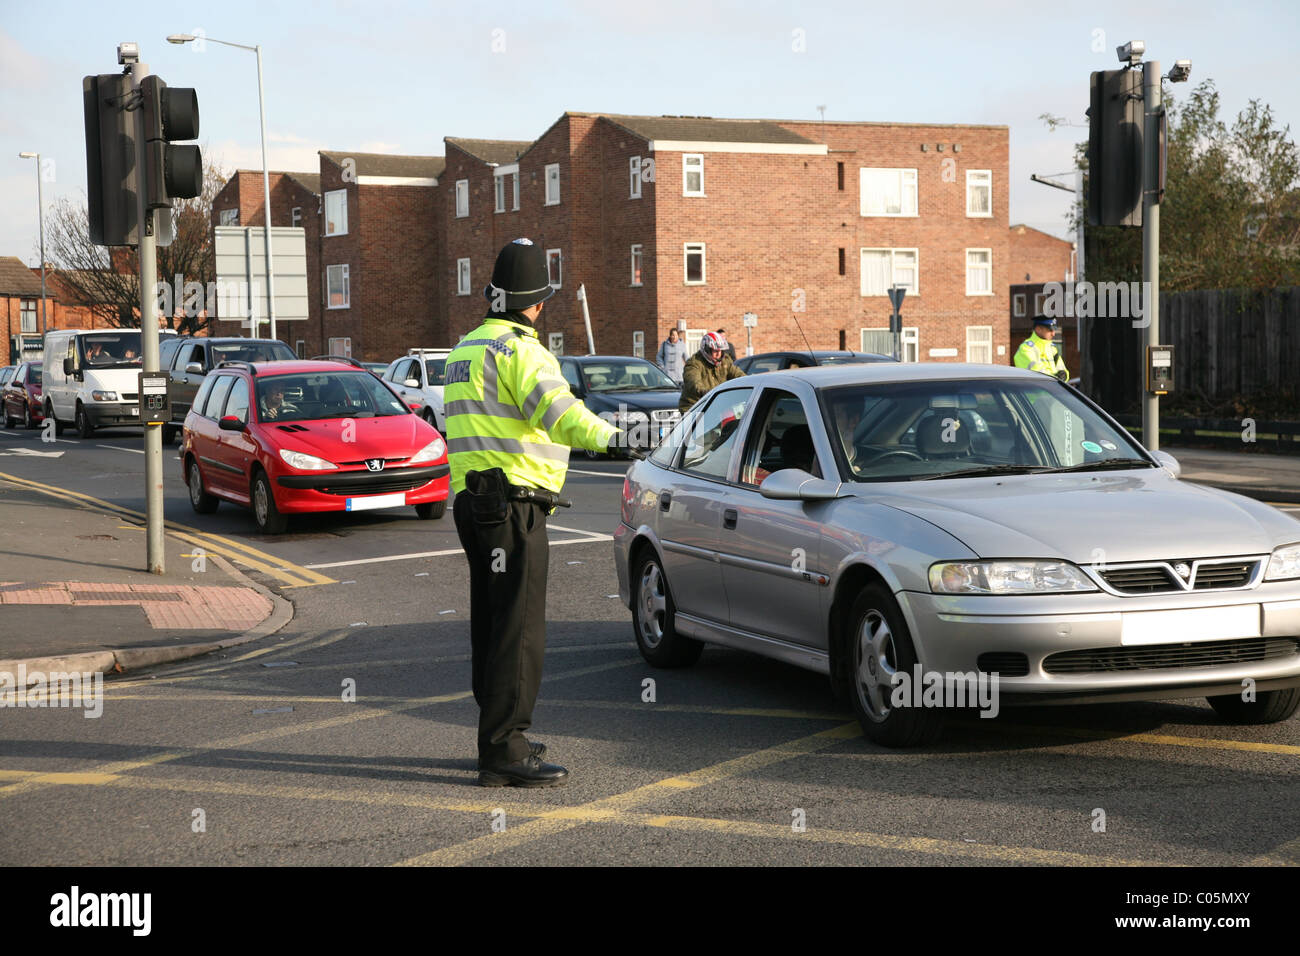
(686,171)
(972,184)
(558,282)
(634,177)
(908,189)
(27,315)
(462,198)
(346,279)
(1018,305)
(463,282)
(914,289)
(987,344)
(295,216)
(341,345)
(638,345)
(989,291)
(341,195)
(552,200)
(228,217)
(499,192)
(514,205)
(687,249)
(300,348)
(555,342)
(911,339)
(638,265)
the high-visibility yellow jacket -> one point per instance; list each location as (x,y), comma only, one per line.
(1040,355)
(508,407)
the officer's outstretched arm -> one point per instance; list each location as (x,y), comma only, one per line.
(547,402)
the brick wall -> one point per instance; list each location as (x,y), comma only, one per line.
(1037,256)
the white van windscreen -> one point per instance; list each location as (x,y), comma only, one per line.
(120,349)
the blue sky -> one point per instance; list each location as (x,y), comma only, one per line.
(392,76)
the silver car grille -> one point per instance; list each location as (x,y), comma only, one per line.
(1162,656)
(1175,576)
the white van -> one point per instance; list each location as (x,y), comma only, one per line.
(91,378)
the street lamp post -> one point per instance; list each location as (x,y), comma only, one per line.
(180,38)
(40,210)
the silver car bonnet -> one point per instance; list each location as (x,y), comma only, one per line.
(1135,515)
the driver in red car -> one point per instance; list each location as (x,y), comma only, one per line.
(274,405)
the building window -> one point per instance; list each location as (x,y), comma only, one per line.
(553,184)
(979,271)
(694,263)
(500,183)
(341,345)
(300,348)
(336,212)
(979,192)
(634,177)
(462,198)
(888,192)
(554,268)
(555,342)
(462,277)
(507,184)
(839,176)
(841,261)
(27,311)
(638,345)
(229,217)
(514,205)
(1038,302)
(881,341)
(693,174)
(883,268)
(295,216)
(1018,305)
(979,344)
(636,264)
(338,292)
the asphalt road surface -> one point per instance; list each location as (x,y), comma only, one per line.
(259,757)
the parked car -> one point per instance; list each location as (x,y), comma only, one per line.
(290,437)
(22,396)
(91,377)
(775,361)
(626,391)
(7,373)
(963,521)
(418,377)
(187,360)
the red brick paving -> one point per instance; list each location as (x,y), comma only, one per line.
(172,607)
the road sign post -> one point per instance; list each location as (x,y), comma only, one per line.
(896,294)
(750,320)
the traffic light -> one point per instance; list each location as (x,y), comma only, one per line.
(1115,120)
(171,171)
(112,173)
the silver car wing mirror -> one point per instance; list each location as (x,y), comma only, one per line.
(1168,462)
(793,484)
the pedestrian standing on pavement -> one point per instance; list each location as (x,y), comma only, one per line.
(730,349)
(511,420)
(672,356)
(1038,352)
(708,367)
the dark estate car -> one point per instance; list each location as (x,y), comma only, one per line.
(188,359)
(775,361)
(21,396)
(629,392)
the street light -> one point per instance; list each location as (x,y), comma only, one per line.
(181,38)
(40,210)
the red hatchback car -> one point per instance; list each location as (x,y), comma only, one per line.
(292,437)
(21,397)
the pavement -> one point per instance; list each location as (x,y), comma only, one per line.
(1256,474)
(75,595)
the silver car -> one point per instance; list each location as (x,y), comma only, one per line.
(948,524)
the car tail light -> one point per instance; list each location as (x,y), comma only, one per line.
(627,500)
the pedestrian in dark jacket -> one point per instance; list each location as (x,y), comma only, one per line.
(708,367)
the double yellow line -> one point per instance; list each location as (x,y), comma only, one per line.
(289,575)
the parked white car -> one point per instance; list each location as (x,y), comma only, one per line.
(92,378)
(418,377)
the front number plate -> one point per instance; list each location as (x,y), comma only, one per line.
(1199,624)
(371,502)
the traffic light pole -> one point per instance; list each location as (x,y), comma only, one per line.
(1151,100)
(148,249)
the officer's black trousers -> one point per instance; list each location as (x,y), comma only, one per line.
(507,583)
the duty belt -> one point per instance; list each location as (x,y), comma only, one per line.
(547,499)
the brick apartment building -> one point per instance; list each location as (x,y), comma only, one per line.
(1036,259)
(665,220)
(20,305)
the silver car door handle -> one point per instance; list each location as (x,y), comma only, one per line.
(729,519)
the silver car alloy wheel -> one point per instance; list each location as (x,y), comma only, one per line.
(877,662)
(652,605)
(260,504)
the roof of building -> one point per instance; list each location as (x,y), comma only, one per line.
(496,152)
(702,129)
(16,278)
(1020,229)
(388,164)
(309,181)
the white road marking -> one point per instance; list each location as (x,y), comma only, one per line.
(598,474)
(31,453)
(590,537)
(134,451)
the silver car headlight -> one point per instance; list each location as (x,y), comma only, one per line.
(305,462)
(1007,577)
(430,452)
(1284,564)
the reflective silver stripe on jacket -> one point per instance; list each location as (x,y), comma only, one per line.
(510,446)
(558,407)
(491,403)
(539,392)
